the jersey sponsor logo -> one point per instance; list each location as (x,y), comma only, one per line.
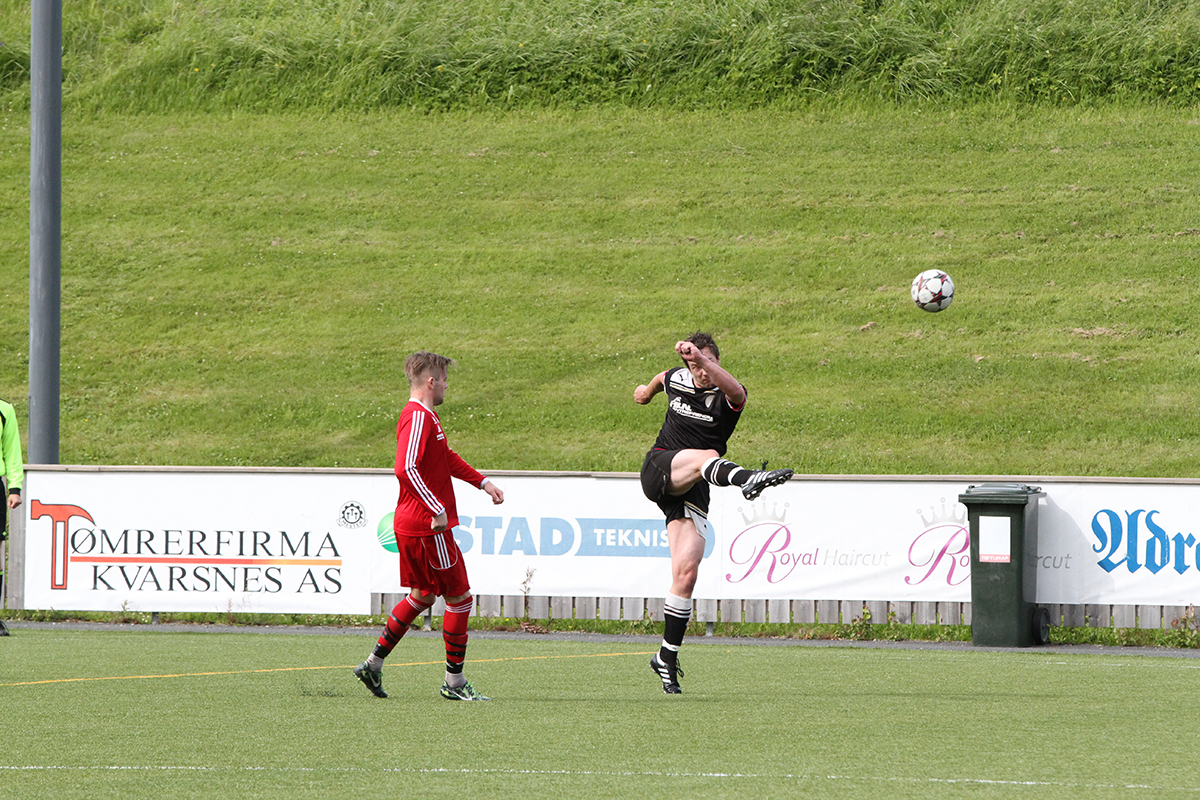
(680,407)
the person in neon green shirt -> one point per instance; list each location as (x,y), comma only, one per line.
(12,470)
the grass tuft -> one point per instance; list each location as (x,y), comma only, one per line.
(324,55)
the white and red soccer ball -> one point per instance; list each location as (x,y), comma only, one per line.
(932,290)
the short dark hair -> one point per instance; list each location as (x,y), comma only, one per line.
(424,362)
(704,341)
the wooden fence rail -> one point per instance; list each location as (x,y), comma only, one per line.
(798,611)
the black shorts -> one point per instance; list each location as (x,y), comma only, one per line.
(656,476)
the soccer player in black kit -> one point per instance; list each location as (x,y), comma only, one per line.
(704,403)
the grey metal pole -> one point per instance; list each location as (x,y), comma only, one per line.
(45,229)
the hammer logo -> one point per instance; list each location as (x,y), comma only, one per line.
(59,515)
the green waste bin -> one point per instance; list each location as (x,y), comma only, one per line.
(1004,544)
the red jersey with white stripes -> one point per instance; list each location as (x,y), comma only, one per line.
(424,466)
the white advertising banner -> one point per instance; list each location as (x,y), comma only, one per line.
(308,542)
(194,541)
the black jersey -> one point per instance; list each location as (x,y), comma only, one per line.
(697,419)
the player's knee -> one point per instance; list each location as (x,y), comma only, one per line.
(685,467)
(697,458)
(686,579)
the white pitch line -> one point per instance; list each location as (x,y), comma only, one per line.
(600,773)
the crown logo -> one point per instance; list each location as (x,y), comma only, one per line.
(945,515)
(761,512)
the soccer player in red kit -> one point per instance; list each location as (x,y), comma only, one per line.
(431,564)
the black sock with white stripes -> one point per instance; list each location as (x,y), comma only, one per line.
(720,472)
(676,613)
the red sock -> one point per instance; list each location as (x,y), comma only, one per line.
(397,624)
(454,631)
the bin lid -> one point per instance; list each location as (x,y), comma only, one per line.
(1015,493)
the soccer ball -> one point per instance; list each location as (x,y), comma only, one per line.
(932,290)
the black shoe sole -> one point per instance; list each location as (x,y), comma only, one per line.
(775,481)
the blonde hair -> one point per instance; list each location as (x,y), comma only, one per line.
(424,363)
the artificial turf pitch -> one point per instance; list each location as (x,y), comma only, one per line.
(141,713)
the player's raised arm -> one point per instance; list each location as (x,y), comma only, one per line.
(720,377)
(644,393)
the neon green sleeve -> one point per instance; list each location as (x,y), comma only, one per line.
(10,448)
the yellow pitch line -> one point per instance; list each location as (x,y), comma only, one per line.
(301,669)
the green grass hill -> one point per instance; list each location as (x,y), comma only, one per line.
(267,205)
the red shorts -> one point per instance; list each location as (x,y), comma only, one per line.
(433,564)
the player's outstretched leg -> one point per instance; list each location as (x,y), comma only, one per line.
(721,472)
(764,478)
